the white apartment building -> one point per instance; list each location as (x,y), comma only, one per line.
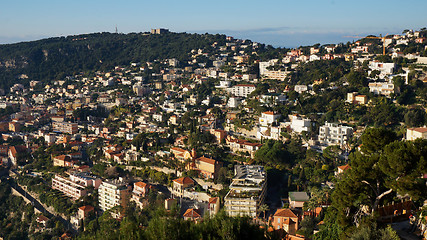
(74,190)
(276,75)
(384,68)
(299,124)
(247,191)
(111,194)
(334,134)
(381,88)
(267,118)
(264,65)
(241,90)
(233,102)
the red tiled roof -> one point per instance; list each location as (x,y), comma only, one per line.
(86,208)
(344,167)
(285,212)
(213,200)
(192,213)
(141,184)
(184,180)
(420,129)
(206,160)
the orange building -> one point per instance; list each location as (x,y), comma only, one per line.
(285,219)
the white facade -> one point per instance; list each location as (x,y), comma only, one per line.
(247,191)
(72,189)
(334,134)
(264,65)
(301,88)
(233,102)
(414,133)
(381,88)
(241,90)
(267,118)
(299,124)
(384,68)
(111,194)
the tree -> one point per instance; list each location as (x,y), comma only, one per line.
(263,208)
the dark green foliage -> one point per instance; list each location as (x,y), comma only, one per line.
(55,58)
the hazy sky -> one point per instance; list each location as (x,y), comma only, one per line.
(287,23)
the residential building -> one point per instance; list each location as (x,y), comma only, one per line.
(300,88)
(140,189)
(247,191)
(192,214)
(181,184)
(65,127)
(384,68)
(213,206)
(241,90)
(297,199)
(85,211)
(381,88)
(299,124)
(219,134)
(356,98)
(233,102)
(285,219)
(264,65)
(414,133)
(341,169)
(243,146)
(74,190)
(334,134)
(268,118)
(113,193)
(207,167)
(276,75)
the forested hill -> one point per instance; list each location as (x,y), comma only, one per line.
(52,58)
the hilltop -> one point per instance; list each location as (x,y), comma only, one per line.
(54,58)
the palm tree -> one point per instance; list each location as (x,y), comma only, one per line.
(263,208)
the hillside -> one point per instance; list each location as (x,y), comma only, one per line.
(54,58)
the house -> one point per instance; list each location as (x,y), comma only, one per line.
(342,169)
(219,134)
(285,219)
(213,206)
(414,133)
(84,211)
(268,118)
(61,160)
(180,184)
(207,167)
(297,199)
(13,154)
(381,88)
(182,154)
(140,189)
(192,215)
(356,98)
(334,134)
(242,146)
(42,220)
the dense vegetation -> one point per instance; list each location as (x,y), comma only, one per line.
(55,58)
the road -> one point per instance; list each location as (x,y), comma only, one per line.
(36,204)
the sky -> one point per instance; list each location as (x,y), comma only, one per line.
(281,23)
